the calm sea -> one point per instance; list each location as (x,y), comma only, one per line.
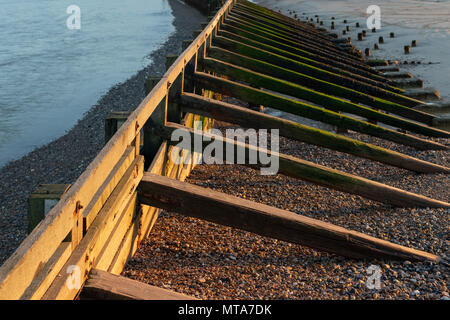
(50,75)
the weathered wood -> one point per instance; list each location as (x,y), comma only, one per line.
(17,273)
(314,173)
(261,20)
(173,112)
(318,84)
(158,117)
(325,100)
(265,98)
(42,200)
(86,253)
(397,74)
(407,83)
(293,130)
(105,190)
(102,285)
(427,94)
(282,22)
(311,48)
(268,221)
(289,51)
(112,244)
(287,37)
(113,122)
(45,278)
(322,72)
(305,40)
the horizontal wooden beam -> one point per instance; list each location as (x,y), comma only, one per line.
(327,101)
(320,71)
(89,249)
(303,43)
(296,107)
(252,119)
(291,52)
(308,171)
(17,273)
(326,52)
(281,21)
(102,285)
(323,86)
(220,208)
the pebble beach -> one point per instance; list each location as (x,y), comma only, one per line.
(209,261)
(64,159)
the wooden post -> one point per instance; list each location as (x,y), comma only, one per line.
(113,122)
(42,200)
(175,90)
(153,142)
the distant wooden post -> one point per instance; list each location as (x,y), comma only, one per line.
(153,142)
(173,109)
(42,200)
(113,122)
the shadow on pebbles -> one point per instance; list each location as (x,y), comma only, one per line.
(209,261)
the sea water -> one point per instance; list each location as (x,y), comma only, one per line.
(52,73)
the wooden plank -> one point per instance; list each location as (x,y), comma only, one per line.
(314,173)
(18,271)
(292,52)
(302,43)
(103,285)
(143,223)
(323,72)
(216,207)
(265,98)
(328,87)
(44,279)
(327,101)
(42,200)
(86,253)
(114,241)
(126,250)
(293,130)
(103,193)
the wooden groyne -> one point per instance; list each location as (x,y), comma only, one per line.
(263,58)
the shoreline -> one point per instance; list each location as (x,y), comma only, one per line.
(210,261)
(427,61)
(64,159)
